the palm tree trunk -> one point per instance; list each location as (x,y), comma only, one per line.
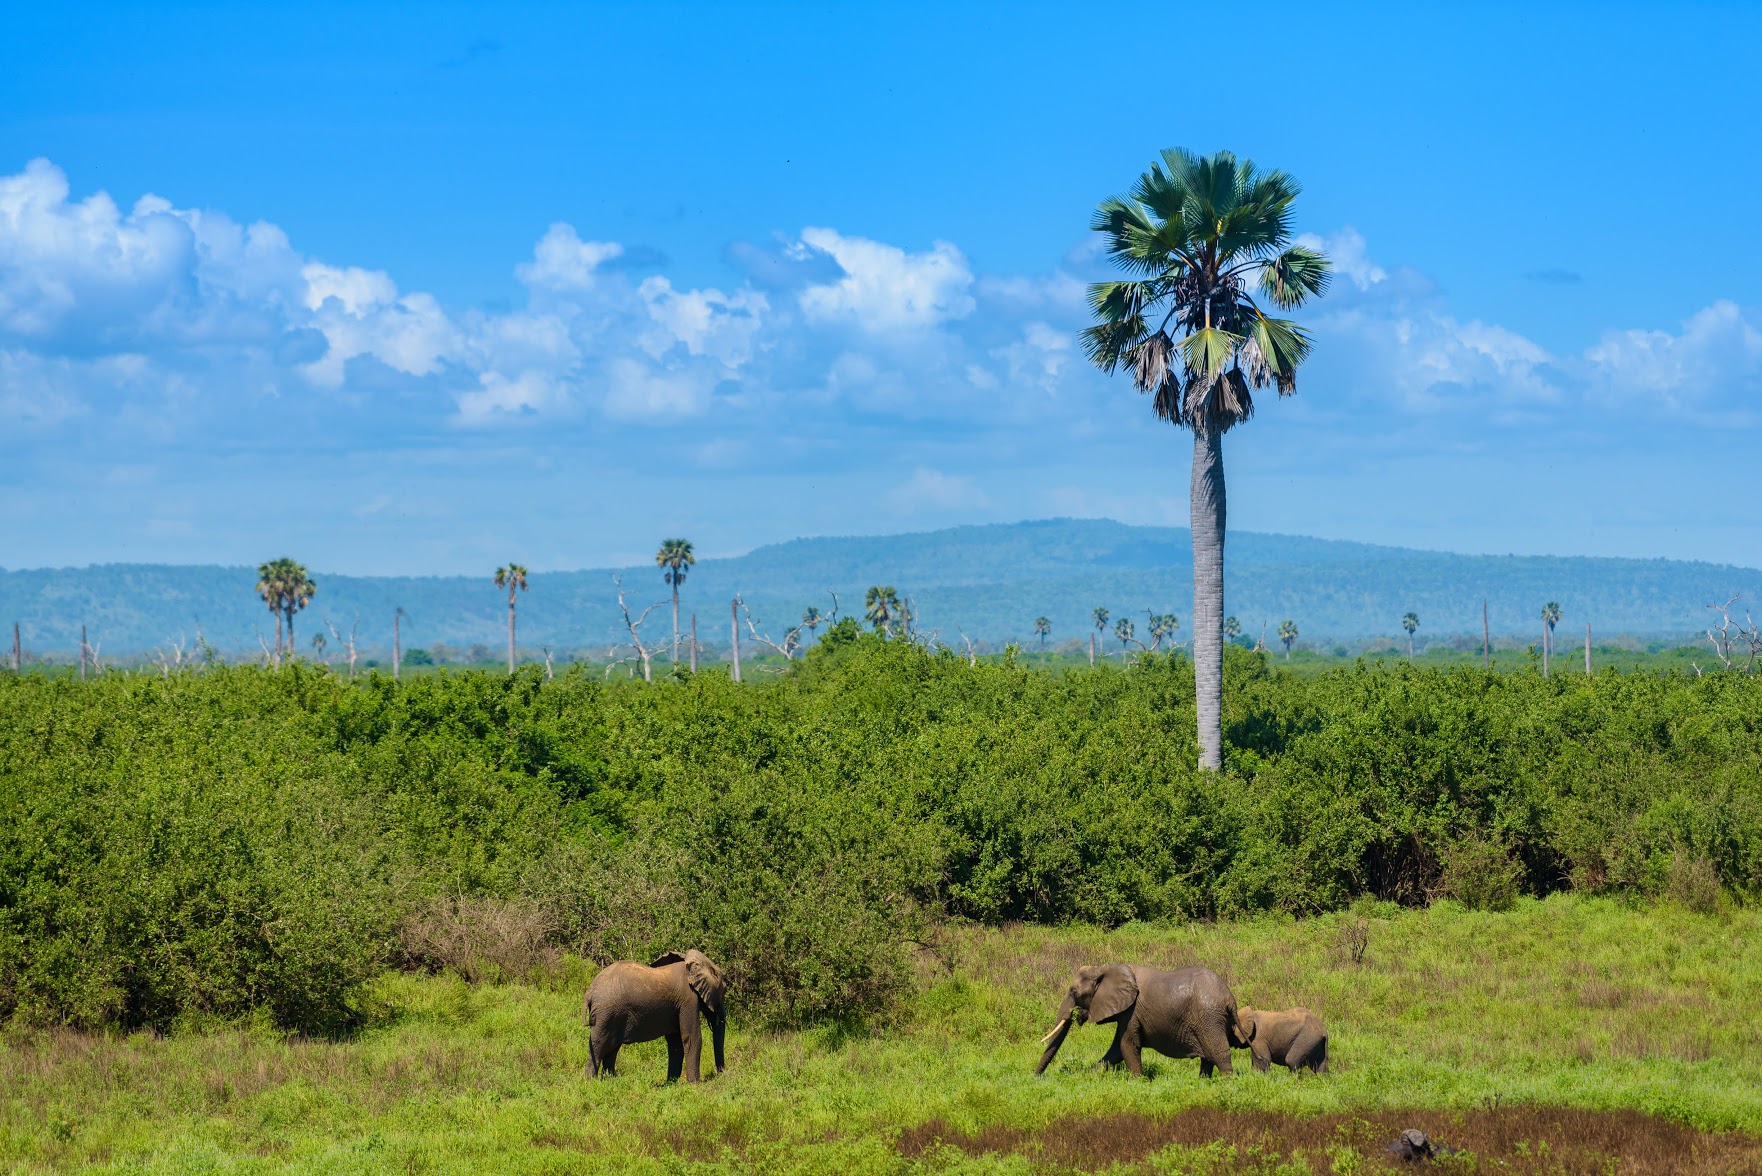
(675,656)
(1207,516)
(1587,650)
(278,637)
(1092,651)
(1410,649)
(1486,637)
(397,645)
(292,651)
(510,629)
(1545,644)
(694,643)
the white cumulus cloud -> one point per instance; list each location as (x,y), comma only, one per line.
(884,288)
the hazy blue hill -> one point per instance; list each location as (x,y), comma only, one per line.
(988,581)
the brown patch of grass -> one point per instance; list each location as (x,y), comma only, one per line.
(1516,1139)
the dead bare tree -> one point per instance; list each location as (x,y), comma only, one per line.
(1731,637)
(171,657)
(643,654)
(348,642)
(792,644)
(549,672)
(972,655)
(17,651)
(85,651)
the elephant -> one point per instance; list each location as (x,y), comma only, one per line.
(629,1001)
(1186,1013)
(1294,1038)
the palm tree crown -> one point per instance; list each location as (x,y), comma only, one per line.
(881,606)
(1199,230)
(1100,616)
(1410,622)
(1124,630)
(1232,628)
(812,618)
(1551,614)
(1042,629)
(1207,241)
(1288,634)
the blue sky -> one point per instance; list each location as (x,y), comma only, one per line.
(400,289)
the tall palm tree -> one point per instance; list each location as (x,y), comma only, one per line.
(269,583)
(1550,618)
(1042,630)
(1410,622)
(286,588)
(513,578)
(676,559)
(1207,240)
(881,606)
(1232,628)
(1288,634)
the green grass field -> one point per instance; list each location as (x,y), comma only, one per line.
(1532,1036)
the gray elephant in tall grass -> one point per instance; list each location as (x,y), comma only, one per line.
(1293,1038)
(629,1002)
(1186,1013)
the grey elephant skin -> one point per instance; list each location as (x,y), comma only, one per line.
(1186,1013)
(669,998)
(1293,1038)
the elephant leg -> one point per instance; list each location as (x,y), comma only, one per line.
(675,1056)
(1115,1057)
(602,1051)
(1214,1052)
(1132,1051)
(692,1034)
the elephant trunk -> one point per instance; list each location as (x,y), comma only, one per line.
(1057,1036)
(718,1024)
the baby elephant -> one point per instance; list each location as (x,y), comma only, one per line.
(630,1002)
(1294,1038)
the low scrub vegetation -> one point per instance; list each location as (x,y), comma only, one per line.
(246,843)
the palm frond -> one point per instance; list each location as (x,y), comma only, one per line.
(1283,345)
(1295,275)
(1208,350)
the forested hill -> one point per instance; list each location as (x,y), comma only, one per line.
(988,582)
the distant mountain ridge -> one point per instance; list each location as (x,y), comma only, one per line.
(988,582)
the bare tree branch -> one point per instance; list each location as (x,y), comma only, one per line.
(348,642)
(643,653)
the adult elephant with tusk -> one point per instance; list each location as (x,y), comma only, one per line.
(1186,1013)
(630,1002)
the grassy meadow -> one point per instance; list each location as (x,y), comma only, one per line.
(1531,1036)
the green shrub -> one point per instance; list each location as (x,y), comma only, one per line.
(218,843)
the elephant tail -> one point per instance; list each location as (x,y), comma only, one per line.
(1321,1066)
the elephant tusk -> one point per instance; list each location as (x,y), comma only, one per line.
(1055,1030)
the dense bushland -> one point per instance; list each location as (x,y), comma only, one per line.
(241,841)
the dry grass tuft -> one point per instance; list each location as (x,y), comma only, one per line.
(1555,1141)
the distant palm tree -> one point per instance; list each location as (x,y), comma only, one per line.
(513,578)
(1206,240)
(1550,618)
(676,557)
(1288,634)
(1162,626)
(881,607)
(318,646)
(286,588)
(1232,628)
(1123,629)
(1410,622)
(269,576)
(812,618)
(1042,630)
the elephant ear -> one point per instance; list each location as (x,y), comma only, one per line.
(1117,993)
(705,979)
(665,958)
